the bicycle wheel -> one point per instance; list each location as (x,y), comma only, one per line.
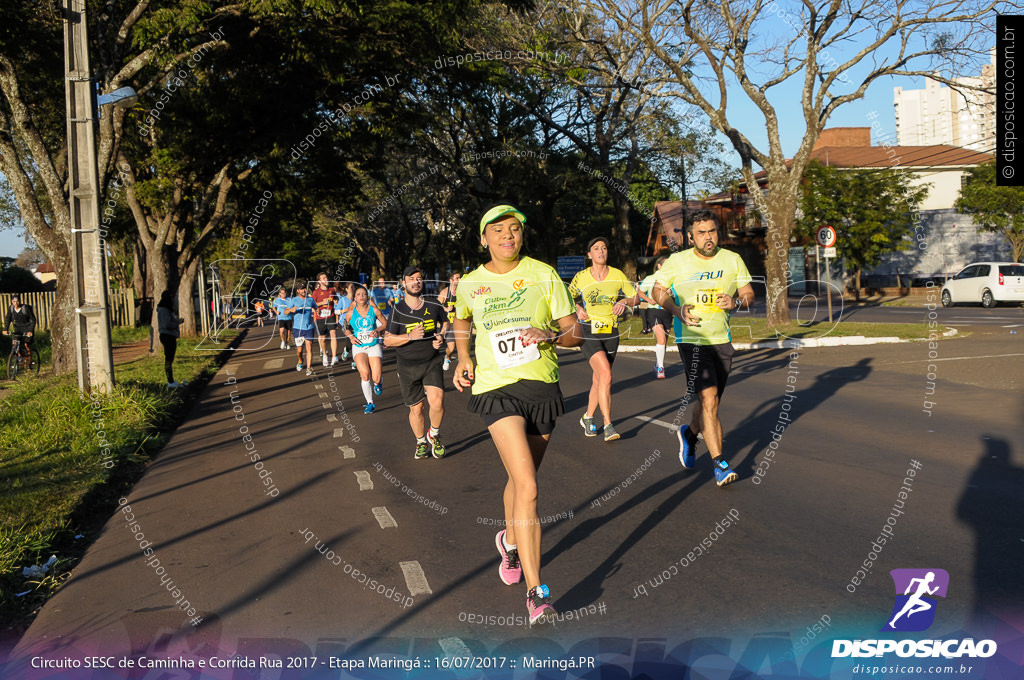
(12,366)
(36,362)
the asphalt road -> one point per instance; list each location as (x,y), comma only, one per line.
(283,573)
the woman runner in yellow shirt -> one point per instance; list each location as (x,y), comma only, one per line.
(602,294)
(515,302)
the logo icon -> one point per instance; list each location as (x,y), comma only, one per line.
(916,590)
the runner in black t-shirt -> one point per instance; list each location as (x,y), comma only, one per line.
(416,330)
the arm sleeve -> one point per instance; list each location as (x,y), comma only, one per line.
(392,325)
(558,298)
(742,273)
(628,289)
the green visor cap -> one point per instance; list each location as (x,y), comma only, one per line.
(497,212)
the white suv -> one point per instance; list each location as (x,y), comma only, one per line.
(986,282)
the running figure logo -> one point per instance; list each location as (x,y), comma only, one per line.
(915,607)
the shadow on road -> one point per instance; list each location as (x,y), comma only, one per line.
(993,504)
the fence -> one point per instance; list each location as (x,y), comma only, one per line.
(122,306)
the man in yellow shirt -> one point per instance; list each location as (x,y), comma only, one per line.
(602,294)
(709,284)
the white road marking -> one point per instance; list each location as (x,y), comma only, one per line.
(326,406)
(415,579)
(984,356)
(332,417)
(384,518)
(339,432)
(363,477)
(230,369)
(661,423)
(347,451)
(453,647)
(273,363)
(1014,325)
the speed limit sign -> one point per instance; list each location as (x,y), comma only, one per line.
(826,236)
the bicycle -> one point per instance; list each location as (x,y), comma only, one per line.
(23,359)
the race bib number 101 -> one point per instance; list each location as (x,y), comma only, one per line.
(707,300)
(509,350)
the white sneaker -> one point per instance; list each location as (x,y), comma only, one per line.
(173,385)
(298,366)
(447,364)
(284,345)
(344,354)
(334,360)
(325,359)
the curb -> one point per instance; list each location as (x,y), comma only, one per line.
(797,343)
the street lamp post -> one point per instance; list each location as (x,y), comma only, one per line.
(88,247)
(88,252)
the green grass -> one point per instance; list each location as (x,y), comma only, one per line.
(747,328)
(123,335)
(60,480)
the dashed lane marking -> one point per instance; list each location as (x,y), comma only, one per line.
(660,423)
(384,518)
(365,483)
(454,647)
(415,579)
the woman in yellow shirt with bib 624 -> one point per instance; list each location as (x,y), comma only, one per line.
(602,294)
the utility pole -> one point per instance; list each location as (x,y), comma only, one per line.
(88,251)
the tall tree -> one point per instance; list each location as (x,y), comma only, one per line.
(602,96)
(994,208)
(227,91)
(872,211)
(831,51)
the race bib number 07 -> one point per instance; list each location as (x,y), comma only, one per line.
(509,350)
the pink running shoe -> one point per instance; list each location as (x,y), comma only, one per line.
(509,569)
(538,607)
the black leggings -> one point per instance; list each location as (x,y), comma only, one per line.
(170,344)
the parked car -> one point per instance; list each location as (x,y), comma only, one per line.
(988,283)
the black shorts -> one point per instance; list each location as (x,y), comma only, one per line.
(660,317)
(706,365)
(414,375)
(323,326)
(284,323)
(538,402)
(599,342)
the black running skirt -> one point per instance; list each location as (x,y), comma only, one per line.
(538,402)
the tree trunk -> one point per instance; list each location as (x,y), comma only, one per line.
(621,236)
(157,267)
(186,305)
(63,319)
(778,211)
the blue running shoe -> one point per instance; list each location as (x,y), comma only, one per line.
(724,474)
(687,447)
(368,409)
(377,388)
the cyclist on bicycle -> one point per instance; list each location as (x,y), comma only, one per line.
(24,320)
